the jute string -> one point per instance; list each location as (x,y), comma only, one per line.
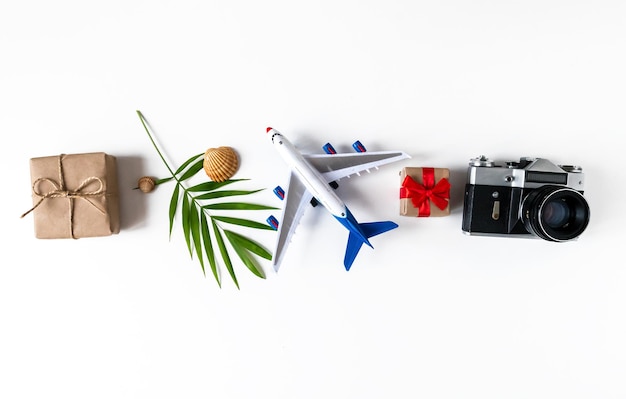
(60,191)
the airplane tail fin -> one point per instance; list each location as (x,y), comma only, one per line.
(355,240)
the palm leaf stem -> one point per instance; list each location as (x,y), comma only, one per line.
(156,147)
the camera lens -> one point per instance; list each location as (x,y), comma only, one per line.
(555,213)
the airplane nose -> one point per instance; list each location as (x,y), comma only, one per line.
(268,130)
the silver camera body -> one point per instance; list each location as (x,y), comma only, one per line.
(530,198)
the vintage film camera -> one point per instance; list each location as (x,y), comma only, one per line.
(529,198)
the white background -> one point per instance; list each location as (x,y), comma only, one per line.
(429,313)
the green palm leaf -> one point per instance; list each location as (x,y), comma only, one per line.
(173,206)
(164,180)
(196,213)
(208,247)
(186,216)
(244,255)
(224,193)
(186,163)
(194,226)
(248,244)
(193,169)
(224,252)
(243,222)
(212,185)
(237,206)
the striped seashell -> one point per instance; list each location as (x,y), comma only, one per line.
(146,184)
(220,163)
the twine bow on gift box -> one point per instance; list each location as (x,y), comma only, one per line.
(60,191)
(422,194)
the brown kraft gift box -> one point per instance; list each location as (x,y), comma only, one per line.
(75,195)
(424,192)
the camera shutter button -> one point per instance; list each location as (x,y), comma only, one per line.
(482,161)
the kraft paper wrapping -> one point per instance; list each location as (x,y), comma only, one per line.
(408,208)
(75,195)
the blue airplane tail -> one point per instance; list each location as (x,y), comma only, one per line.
(359,234)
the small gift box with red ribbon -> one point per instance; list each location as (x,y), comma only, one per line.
(425,192)
(74,195)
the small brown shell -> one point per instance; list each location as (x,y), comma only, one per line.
(146,184)
(220,163)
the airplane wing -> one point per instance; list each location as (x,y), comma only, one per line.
(297,198)
(336,166)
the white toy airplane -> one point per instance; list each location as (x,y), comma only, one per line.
(312,181)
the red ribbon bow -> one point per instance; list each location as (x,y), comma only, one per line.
(422,195)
